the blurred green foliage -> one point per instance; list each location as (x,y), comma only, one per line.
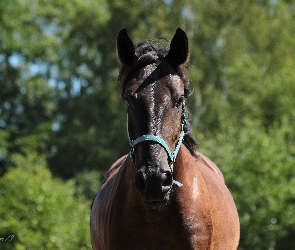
(60,109)
(39,211)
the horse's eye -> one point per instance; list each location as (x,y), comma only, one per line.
(127,100)
(178,101)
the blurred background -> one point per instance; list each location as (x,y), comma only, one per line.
(63,123)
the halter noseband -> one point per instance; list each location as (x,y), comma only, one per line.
(163,143)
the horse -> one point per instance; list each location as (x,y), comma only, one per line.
(164,194)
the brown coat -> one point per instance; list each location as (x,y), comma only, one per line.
(201,214)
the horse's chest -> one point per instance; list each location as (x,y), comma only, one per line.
(146,237)
(135,231)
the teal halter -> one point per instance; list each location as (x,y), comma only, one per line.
(172,155)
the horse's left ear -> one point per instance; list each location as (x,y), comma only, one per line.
(179,49)
(125,48)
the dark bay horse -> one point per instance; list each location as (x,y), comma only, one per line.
(164,194)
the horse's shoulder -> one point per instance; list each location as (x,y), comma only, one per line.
(208,163)
(110,173)
(114,169)
(223,212)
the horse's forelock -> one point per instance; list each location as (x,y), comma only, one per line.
(148,52)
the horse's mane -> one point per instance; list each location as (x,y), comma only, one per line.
(154,51)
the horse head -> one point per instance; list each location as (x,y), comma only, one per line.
(155,87)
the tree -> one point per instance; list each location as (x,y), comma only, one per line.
(38,211)
(26,101)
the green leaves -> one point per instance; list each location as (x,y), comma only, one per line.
(40,211)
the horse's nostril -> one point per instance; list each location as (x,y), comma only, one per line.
(153,186)
(140,181)
(168,179)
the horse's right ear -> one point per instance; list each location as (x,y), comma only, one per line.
(125,48)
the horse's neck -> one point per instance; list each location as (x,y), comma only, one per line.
(185,171)
(184,213)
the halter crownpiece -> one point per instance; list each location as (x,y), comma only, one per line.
(172,155)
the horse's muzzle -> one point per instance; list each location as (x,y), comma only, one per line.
(153,185)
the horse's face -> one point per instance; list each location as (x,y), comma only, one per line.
(155,93)
(154,110)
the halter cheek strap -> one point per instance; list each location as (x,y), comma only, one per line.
(159,140)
